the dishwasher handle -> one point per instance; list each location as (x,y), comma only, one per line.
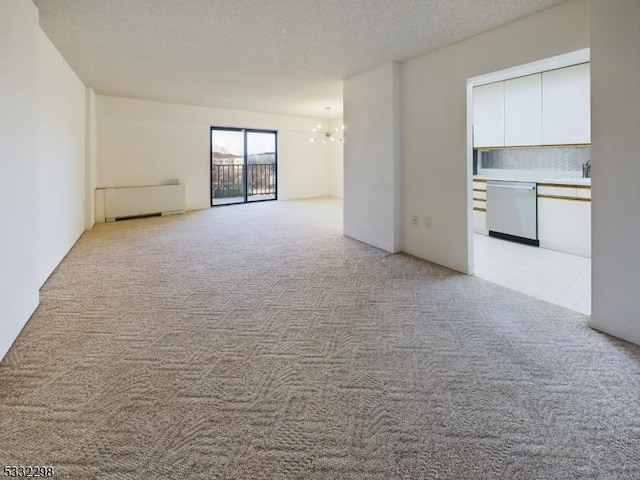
(516,187)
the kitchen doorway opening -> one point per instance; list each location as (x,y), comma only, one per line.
(244,165)
(528,131)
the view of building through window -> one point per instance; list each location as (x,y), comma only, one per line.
(243,166)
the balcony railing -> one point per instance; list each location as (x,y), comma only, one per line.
(228,180)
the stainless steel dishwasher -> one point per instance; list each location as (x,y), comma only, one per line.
(512,211)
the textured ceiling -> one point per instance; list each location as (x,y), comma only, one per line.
(280,56)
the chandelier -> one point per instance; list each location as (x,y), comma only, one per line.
(325,135)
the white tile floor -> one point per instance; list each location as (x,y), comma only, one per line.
(552,276)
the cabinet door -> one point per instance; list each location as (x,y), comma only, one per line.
(488,115)
(523,111)
(565,225)
(566,106)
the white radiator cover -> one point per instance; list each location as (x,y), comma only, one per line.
(125,202)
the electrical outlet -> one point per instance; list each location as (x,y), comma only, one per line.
(427,222)
(415,220)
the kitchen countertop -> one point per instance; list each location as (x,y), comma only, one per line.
(537,177)
(568,181)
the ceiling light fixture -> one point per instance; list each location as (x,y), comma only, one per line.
(325,135)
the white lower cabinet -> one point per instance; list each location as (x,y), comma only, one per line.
(480,222)
(480,207)
(564,216)
(565,225)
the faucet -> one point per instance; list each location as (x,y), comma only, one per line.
(586,169)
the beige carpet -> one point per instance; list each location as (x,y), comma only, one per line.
(256,342)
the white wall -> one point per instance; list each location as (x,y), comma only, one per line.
(146,143)
(433,92)
(372,157)
(19,269)
(615,132)
(335,160)
(42,155)
(303,170)
(91,158)
(61,107)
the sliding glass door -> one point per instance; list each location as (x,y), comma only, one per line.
(261,165)
(243,165)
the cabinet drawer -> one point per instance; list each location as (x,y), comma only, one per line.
(479,194)
(480,185)
(583,192)
(479,204)
(544,190)
(580,193)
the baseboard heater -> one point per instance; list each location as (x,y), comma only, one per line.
(127,202)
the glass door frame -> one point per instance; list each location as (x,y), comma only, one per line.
(245,175)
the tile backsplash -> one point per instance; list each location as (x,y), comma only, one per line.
(543,158)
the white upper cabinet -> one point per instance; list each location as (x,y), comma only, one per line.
(488,115)
(523,111)
(549,108)
(566,106)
